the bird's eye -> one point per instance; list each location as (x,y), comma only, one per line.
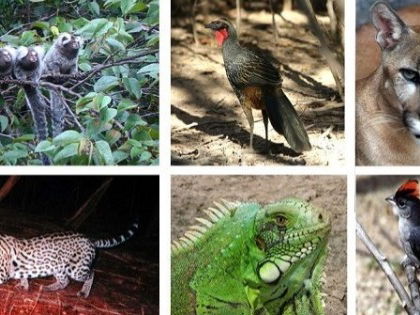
(401,203)
(281,220)
(410,75)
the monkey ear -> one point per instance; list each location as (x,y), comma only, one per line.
(40,51)
(22,51)
(389,25)
(11,51)
(65,38)
(80,41)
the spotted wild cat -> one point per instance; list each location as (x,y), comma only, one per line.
(62,255)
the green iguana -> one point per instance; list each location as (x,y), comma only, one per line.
(251,259)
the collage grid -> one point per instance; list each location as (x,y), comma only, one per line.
(167,172)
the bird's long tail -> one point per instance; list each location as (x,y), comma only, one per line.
(285,120)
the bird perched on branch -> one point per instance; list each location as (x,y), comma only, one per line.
(257,84)
(406,204)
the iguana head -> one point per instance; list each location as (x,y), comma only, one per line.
(248,257)
(292,234)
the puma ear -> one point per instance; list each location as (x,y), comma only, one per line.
(388,24)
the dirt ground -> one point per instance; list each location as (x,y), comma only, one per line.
(208,124)
(374,292)
(192,194)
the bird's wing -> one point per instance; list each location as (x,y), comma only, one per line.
(249,69)
(414,245)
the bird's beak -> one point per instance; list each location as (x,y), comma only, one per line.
(391,200)
(214,26)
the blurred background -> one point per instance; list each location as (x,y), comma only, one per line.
(193,194)
(375,294)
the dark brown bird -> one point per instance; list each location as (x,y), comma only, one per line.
(257,84)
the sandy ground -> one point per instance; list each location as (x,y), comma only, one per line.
(192,194)
(374,292)
(208,124)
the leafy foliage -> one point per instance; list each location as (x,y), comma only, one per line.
(116,108)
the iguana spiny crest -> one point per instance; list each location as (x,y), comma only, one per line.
(251,259)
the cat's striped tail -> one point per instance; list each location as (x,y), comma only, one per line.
(115,241)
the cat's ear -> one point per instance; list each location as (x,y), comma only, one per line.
(390,28)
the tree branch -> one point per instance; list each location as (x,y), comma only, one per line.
(386,267)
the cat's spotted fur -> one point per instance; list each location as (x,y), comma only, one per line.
(62,255)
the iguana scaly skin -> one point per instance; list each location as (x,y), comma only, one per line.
(251,259)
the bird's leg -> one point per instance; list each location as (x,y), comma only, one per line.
(250,118)
(265,120)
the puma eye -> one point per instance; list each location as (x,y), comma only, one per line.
(281,221)
(410,75)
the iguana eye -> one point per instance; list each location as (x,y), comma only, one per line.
(410,75)
(281,220)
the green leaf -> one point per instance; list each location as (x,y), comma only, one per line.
(126,104)
(94,8)
(105,83)
(134,120)
(85,66)
(96,27)
(27,38)
(134,143)
(66,137)
(133,86)
(105,152)
(14,155)
(4,121)
(68,151)
(25,138)
(152,70)
(107,114)
(119,156)
(116,45)
(10,39)
(145,156)
(41,25)
(139,7)
(135,151)
(127,5)
(45,146)
(112,136)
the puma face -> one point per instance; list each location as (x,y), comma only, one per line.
(400,45)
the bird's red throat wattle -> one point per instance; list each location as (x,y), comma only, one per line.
(221,36)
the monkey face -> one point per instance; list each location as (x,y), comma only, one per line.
(28,59)
(6,60)
(69,44)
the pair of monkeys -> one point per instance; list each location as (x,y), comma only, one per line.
(29,64)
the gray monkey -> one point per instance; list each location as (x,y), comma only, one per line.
(61,58)
(29,67)
(7,61)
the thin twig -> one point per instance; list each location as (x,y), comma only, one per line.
(387,269)
(413,285)
(71,113)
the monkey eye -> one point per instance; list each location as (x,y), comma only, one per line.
(401,203)
(281,220)
(410,75)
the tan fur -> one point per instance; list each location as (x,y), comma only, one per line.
(382,138)
(368,53)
